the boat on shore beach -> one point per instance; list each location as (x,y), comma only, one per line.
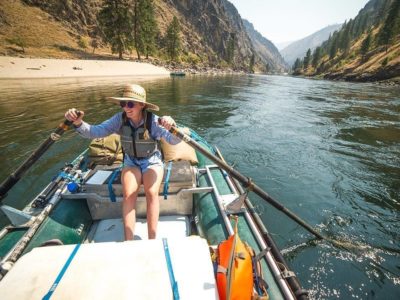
(178,73)
(68,241)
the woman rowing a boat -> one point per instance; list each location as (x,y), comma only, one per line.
(140,132)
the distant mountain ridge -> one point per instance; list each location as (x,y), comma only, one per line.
(299,48)
(266,49)
(283,45)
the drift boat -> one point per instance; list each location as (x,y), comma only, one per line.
(178,73)
(69,243)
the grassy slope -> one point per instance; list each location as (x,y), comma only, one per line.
(45,37)
(355,67)
(40,33)
(373,67)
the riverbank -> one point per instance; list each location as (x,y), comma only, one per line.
(191,69)
(18,68)
(395,81)
(14,68)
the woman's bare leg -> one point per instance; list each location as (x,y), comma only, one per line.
(151,181)
(131,179)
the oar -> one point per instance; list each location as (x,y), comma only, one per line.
(11,180)
(251,186)
(248,183)
(21,245)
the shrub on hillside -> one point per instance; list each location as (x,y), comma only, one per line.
(191,58)
(18,41)
(82,43)
(64,48)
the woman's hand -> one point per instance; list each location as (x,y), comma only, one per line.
(167,122)
(72,115)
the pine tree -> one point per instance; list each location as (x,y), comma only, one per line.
(297,65)
(267,67)
(95,34)
(316,56)
(251,66)
(230,51)
(352,28)
(364,23)
(307,59)
(136,28)
(391,27)
(173,40)
(116,22)
(333,47)
(94,43)
(346,40)
(357,25)
(366,44)
(146,28)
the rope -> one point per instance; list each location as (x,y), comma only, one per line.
(62,272)
(110,183)
(174,283)
(198,138)
(166,183)
(249,184)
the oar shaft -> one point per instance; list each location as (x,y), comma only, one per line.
(11,180)
(247,182)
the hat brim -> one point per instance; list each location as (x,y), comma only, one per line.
(148,105)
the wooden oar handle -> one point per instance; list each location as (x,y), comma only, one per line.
(68,123)
(12,179)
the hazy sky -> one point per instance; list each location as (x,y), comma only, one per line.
(290,20)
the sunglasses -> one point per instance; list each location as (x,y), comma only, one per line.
(130,104)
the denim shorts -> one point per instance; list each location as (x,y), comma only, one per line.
(144,163)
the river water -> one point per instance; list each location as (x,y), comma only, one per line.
(329,151)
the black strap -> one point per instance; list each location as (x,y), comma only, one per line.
(148,121)
(124,119)
(133,136)
(262,253)
(262,285)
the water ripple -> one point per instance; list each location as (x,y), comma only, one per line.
(329,151)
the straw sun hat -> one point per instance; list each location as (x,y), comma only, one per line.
(136,93)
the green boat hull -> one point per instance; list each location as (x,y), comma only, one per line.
(210,223)
(70,221)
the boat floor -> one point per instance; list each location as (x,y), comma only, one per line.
(112,230)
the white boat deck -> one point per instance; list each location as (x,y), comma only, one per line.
(125,270)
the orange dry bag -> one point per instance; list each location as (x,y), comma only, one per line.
(234,270)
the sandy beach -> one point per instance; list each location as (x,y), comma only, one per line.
(14,68)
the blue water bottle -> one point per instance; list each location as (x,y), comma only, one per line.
(73,187)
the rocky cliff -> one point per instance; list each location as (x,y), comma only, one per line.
(79,16)
(215,22)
